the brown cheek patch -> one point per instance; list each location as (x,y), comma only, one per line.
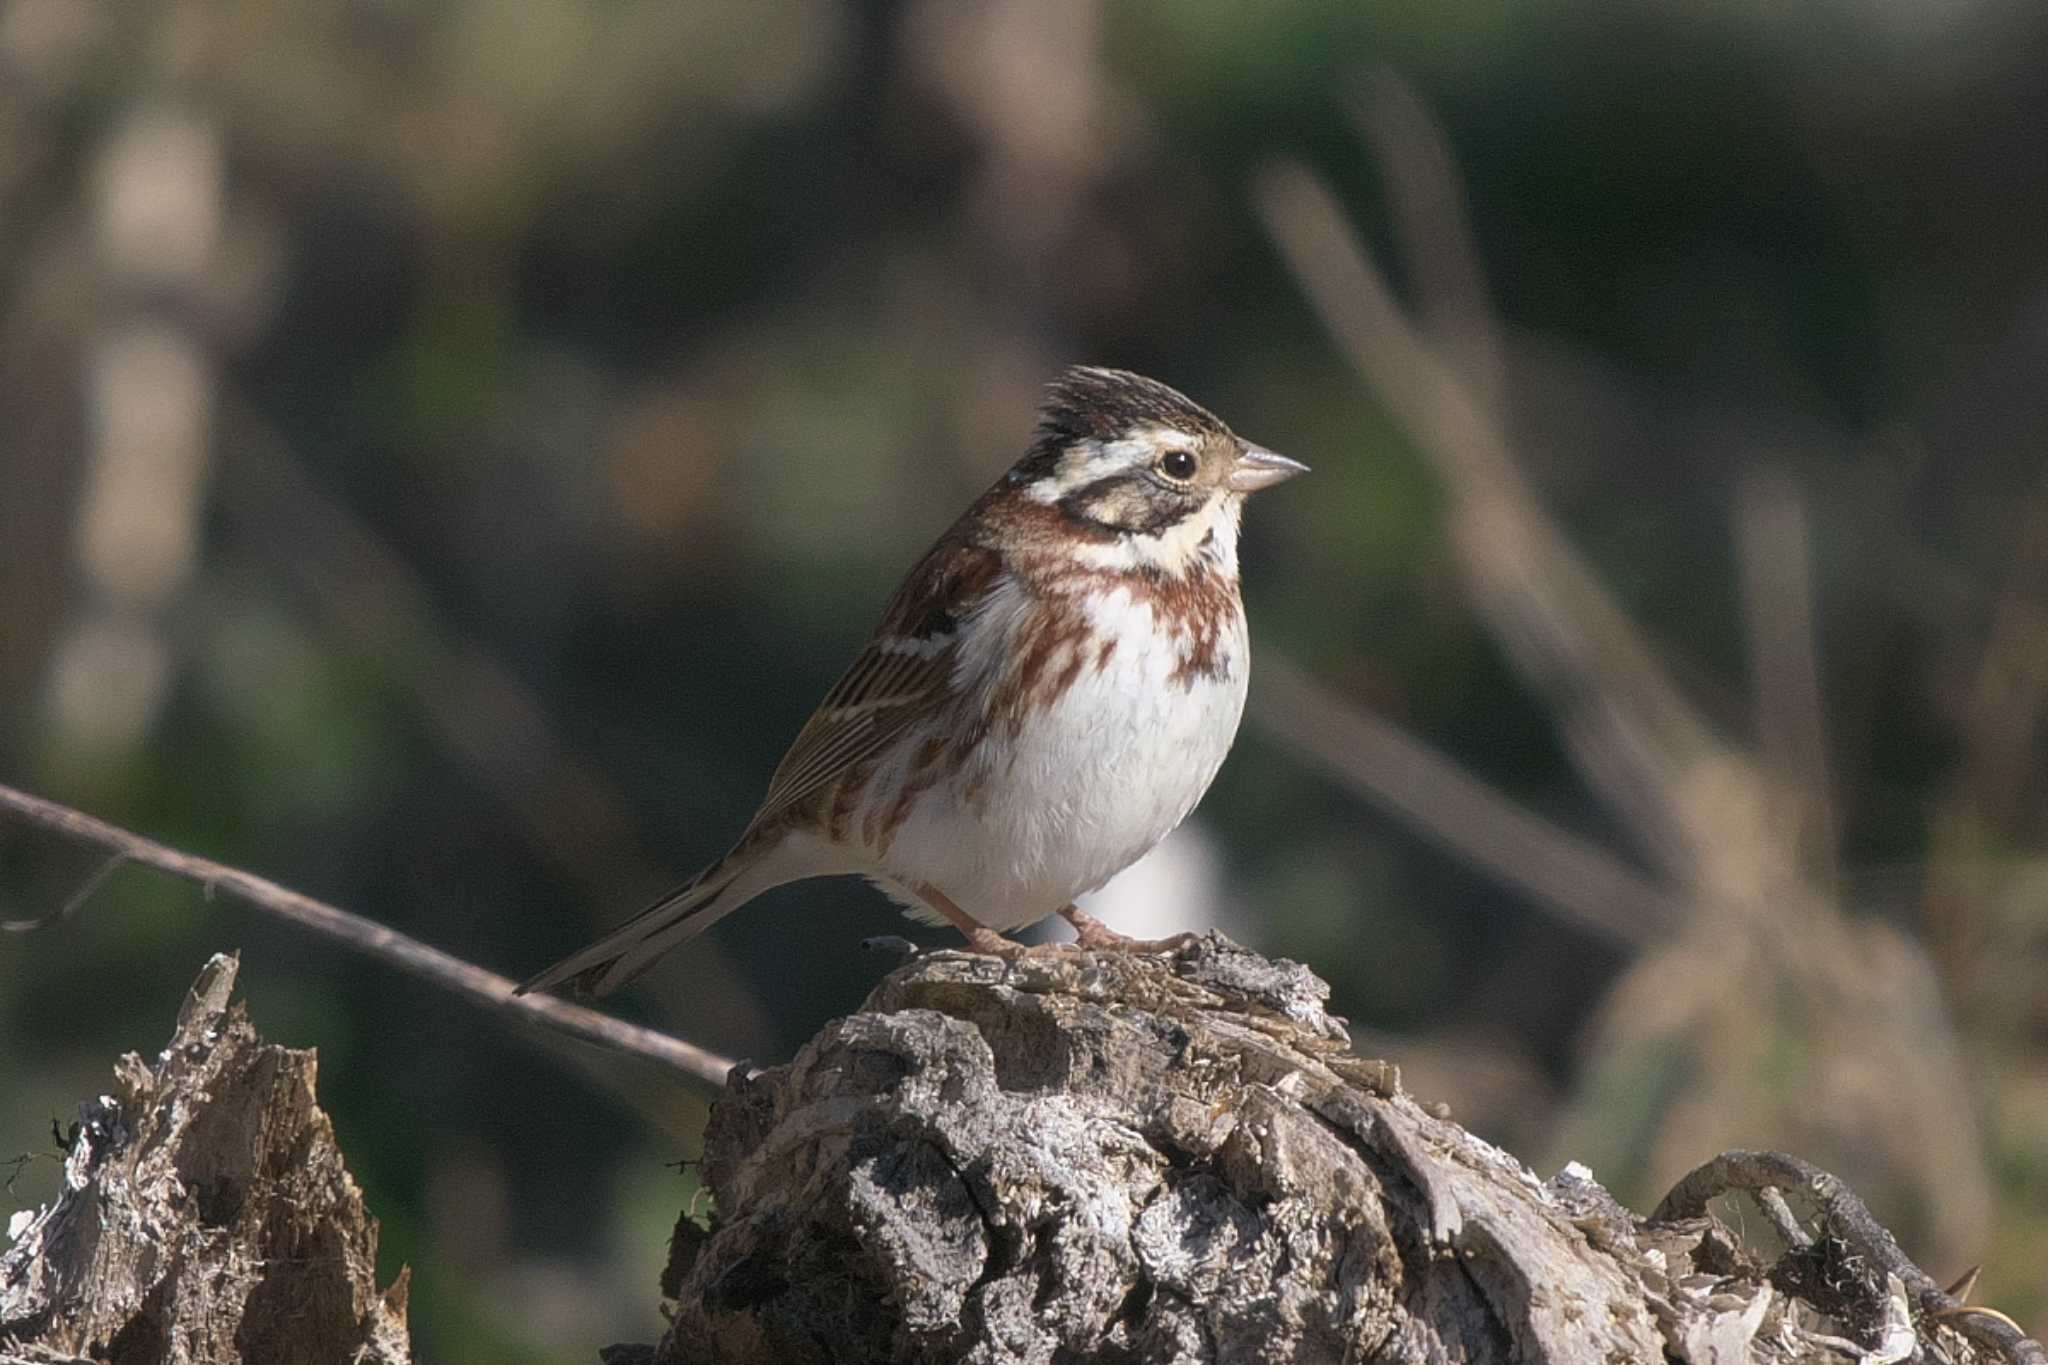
(1126,504)
(1030,526)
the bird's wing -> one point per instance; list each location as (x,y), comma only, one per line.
(904,674)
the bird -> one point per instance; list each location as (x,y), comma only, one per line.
(1048,694)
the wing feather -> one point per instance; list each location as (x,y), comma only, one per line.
(904,674)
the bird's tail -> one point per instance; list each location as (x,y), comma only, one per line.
(632,948)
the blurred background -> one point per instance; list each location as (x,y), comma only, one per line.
(447,448)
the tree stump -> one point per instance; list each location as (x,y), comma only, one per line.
(206,1216)
(1127,1158)
(1081,1159)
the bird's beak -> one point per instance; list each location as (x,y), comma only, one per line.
(1257,468)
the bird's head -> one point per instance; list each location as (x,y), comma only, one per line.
(1156,478)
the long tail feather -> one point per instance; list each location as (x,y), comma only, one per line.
(631,949)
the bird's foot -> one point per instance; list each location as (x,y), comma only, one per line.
(979,936)
(1095,936)
(988,941)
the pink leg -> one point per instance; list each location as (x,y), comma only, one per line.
(980,937)
(1092,933)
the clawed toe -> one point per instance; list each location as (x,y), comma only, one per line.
(1108,941)
(1009,950)
(1113,942)
(1090,934)
(1095,936)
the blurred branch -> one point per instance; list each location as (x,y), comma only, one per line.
(1573,878)
(366,936)
(364,590)
(1434,233)
(1764,952)
(2010,689)
(1629,729)
(1774,551)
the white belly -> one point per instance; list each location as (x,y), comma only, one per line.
(1088,785)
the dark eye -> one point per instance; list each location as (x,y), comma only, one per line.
(1178,465)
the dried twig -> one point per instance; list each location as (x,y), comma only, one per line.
(21,1161)
(1846,1218)
(1772,1200)
(408,954)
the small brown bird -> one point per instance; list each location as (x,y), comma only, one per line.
(1048,695)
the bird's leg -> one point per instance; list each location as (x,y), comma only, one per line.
(1093,934)
(980,937)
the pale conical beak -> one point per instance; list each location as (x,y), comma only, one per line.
(1257,468)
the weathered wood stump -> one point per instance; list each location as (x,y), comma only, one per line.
(1153,1158)
(206,1216)
(1078,1159)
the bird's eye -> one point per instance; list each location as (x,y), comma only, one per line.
(1178,465)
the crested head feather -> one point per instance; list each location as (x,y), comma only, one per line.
(1091,403)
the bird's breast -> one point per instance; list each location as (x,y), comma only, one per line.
(1101,720)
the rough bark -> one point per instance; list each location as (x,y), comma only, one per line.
(206,1216)
(1117,1158)
(1071,1159)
